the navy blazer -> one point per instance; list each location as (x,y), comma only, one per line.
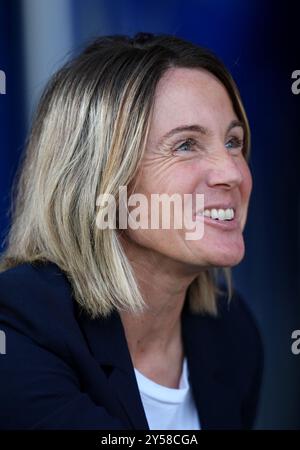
(63,370)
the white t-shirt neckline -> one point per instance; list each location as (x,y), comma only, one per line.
(164,393)
(168,408)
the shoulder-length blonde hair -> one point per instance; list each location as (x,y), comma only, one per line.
(88,137)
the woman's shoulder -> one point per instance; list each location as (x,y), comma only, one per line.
(36,300)
(24,283)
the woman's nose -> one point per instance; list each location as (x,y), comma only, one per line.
(224,170)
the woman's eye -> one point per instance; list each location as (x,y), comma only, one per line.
(186,146)
(235,143)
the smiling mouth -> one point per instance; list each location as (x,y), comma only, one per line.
(220,214)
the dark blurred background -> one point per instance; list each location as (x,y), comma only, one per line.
(259,43)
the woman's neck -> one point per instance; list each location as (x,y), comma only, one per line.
(154,337)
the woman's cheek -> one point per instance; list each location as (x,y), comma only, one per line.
(180,179)
(246,189)
(247,177)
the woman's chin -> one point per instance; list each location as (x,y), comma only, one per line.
(223,256)
(228,259)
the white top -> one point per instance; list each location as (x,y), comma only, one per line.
(168,408)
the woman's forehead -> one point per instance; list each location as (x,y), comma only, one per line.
(190,96)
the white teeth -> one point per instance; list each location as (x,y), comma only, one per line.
(214,214)
(219,214)
(229,214)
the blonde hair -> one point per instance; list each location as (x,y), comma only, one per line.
(88,137)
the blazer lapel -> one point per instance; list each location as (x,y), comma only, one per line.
(108,344)
(214,394)
(215,397)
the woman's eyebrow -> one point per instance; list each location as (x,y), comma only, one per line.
(235,123)
(180,129)
(198,128)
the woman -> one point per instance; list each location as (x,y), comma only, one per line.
(115,327)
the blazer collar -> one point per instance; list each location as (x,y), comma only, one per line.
(213,390)
(107,341)
(214,397)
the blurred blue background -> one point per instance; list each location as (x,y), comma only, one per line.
(259,43)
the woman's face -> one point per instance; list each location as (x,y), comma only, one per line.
(207,160)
